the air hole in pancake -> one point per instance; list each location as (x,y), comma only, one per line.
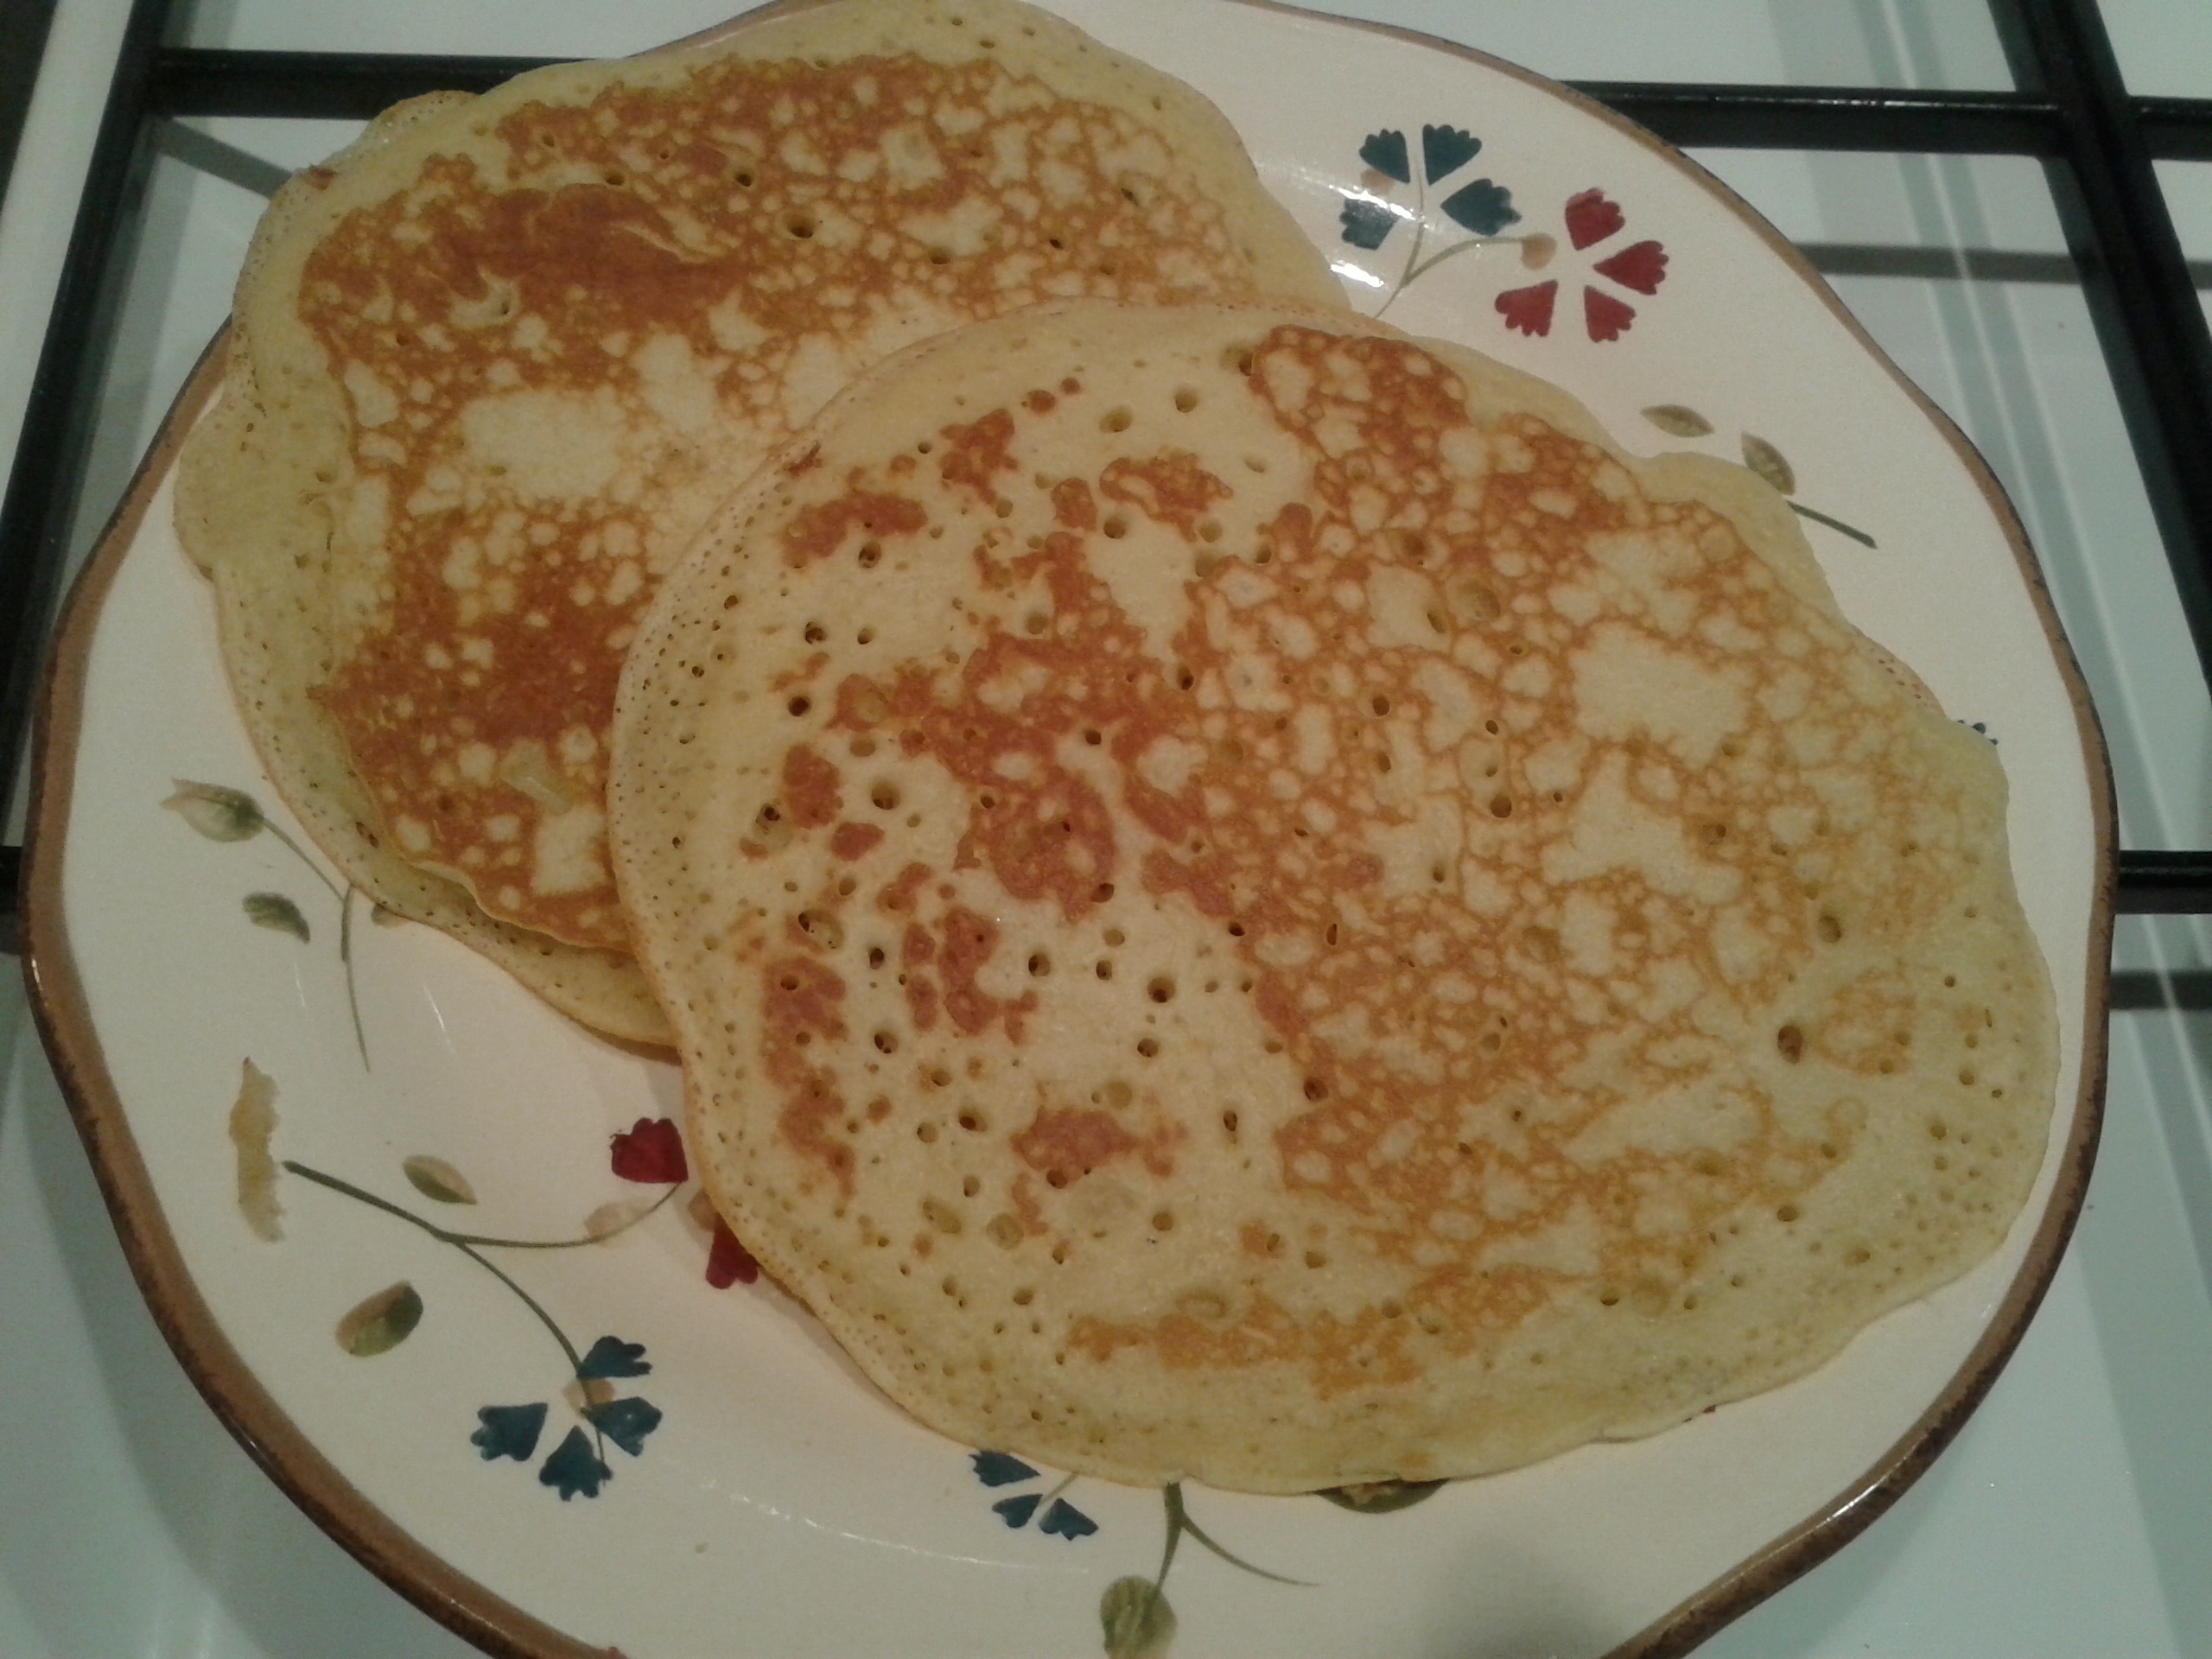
(615,177)
(1115,420)
(887,1040)
(1060,1256)
(824,925)
(871,554)
(743,178)
(1105,967)
(1490,726)
(1609,1298)
(1787,1212)
(1148,1046)
(1036,622)
(1161,988)
(1315,1088)
(875,957)
(1102,892)
(972,1120)
(816,633)
(1791,1041)
(940,256)
(1966,1075)
(926,1133)
(801,225)
(1380,704)
(1229,1123)
(884,796)
(1116,527)
(799,705)
(1163,1221)
(1501,806)
(1315,1259)
(1830,928)
(939,1077)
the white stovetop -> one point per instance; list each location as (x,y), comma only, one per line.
(2074,1513)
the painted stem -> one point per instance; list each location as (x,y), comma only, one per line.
(345,959)
(1180,1522)
(300,853)
(1837,525)
(446,1236)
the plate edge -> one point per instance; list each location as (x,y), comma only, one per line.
(63,1016)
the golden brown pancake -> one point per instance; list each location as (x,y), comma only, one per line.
(500,363)
(1243,897)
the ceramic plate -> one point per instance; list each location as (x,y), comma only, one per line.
(569,1449)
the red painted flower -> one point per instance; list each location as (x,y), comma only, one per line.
(729,1262)
(1591,218)
(651,1152)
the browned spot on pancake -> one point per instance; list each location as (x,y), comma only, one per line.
(800,675)
(916,950)
(969,939)
(1064,1145)
(1172,488)
(822,530)
(1073,505)
(853,841)
(799,1011)
(1026,1209)
(669,263)
(976,452)
(897,898)
(1339,1355)
(810,797)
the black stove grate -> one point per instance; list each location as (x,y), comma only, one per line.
(2072,113)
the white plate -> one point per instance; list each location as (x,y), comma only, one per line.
(777,1505)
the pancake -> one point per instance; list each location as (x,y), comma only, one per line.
(1245,898)
(493,367)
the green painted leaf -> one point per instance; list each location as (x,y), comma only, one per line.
(611,1357)
(1385,152)
(573,1469)
(217,813)
(508,1431)
(1768,462)
(1366,224)
(626,1421)
(1381,1497)
(1679,419)
(1136,1618)
(1446,149)
(274,910)
(381,1322)
(1484,207)
(1000,1468)
(1067,1520)
(433,1178)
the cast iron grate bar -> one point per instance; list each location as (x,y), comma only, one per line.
(2097,141)
(2147,316)
(24,26)
(41,504)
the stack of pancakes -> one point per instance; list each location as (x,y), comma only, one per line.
(1240,896)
